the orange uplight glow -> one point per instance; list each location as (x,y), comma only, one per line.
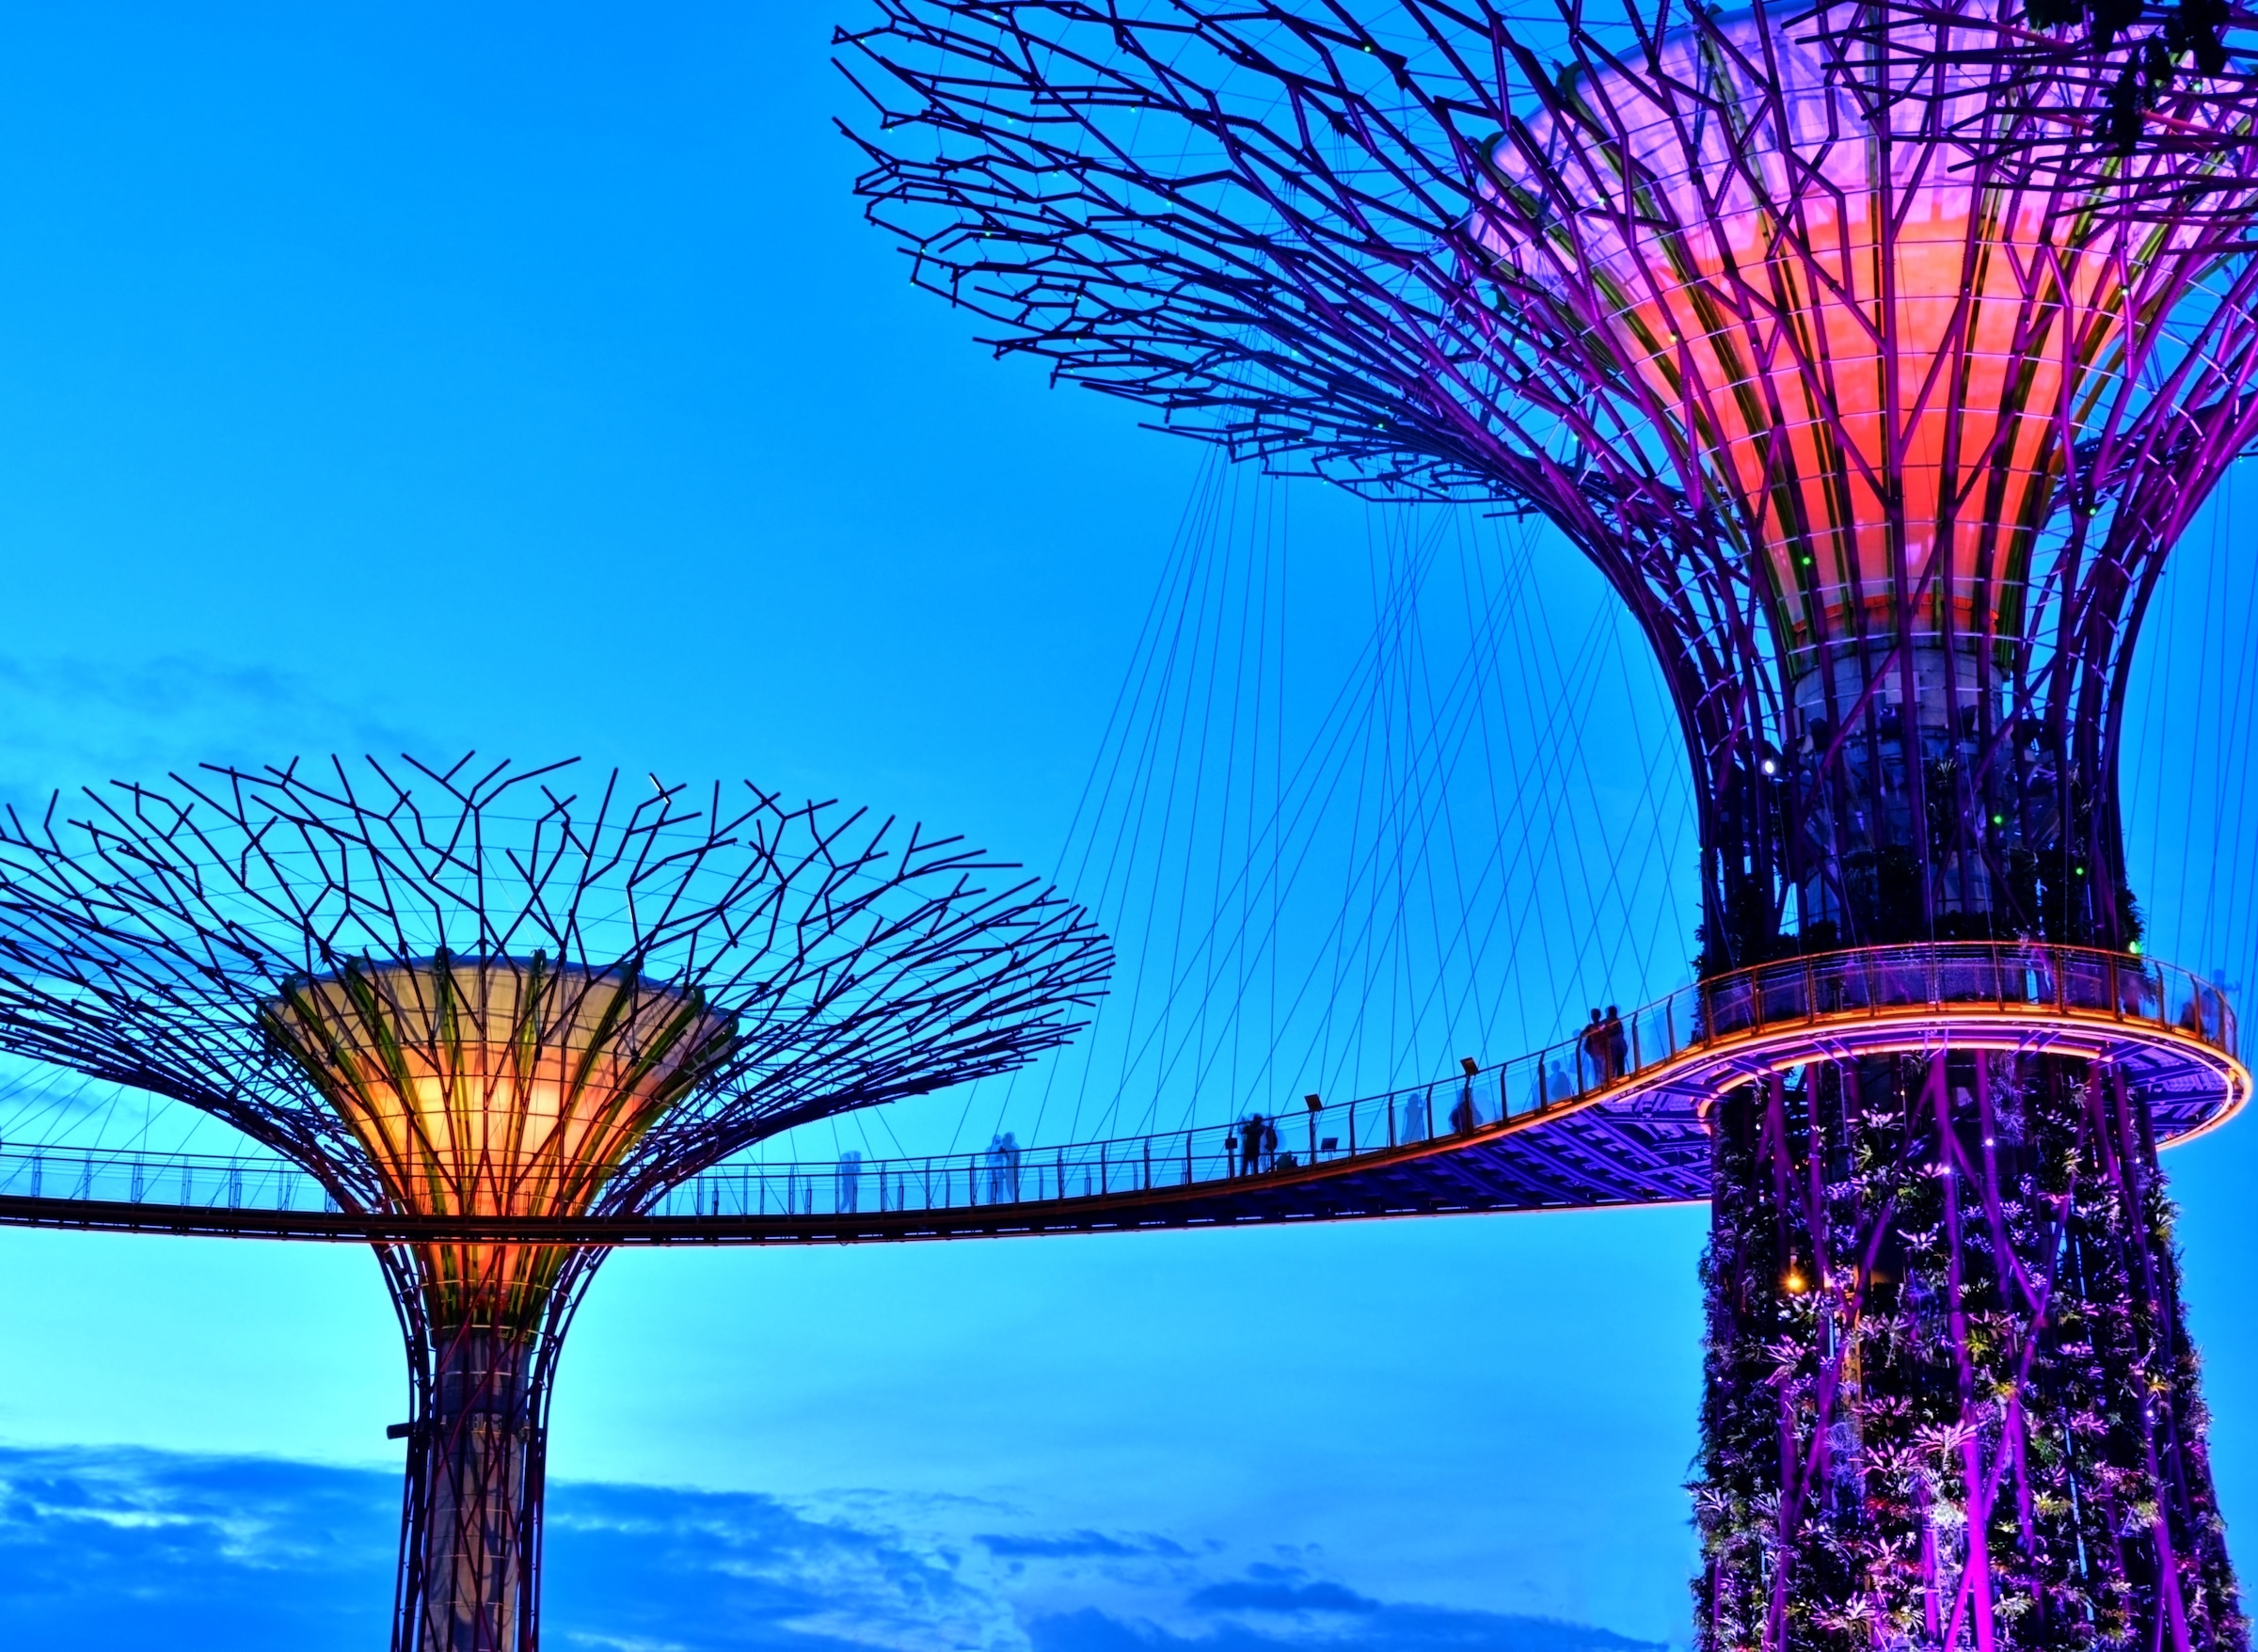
(1814,400)
(494,1089)
(1876,365)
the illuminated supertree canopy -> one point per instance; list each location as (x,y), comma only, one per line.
(1881,404)
(479,994)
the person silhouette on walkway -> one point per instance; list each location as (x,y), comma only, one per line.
(1619,1046)
(1595,1049)
(1462,1116)
(1230,1153)
(1251,1146)
(1003,1169)
(1270,1144)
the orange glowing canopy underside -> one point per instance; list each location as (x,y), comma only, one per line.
(495,1088)
(1879,366)
(1877,450)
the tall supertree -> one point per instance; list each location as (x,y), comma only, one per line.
(476,994)
(1884,429)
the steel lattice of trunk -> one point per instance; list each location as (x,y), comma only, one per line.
(1882,416)
(471,994)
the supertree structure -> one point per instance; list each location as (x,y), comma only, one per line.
(475,995)
(2165,67)
(1884,431)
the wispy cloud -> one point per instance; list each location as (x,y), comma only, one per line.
(1373,1627)
(104,1549)
(75,722)
(1083,1544)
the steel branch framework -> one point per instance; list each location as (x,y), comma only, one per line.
(1389,248)
(471,995)
(1881,404)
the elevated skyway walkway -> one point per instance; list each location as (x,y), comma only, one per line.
(1562,1128)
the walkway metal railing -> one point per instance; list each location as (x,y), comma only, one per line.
(1864,984)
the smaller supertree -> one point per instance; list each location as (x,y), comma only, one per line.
(470,994)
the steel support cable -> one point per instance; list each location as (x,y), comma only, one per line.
(2232,763)
(2234,767)
(1438,816)
(1539,801)
(1123,857)
(1388,626)
(1448,942)
(1567,693)
(1231,745)
(1272,949)
(1277,884)
(2208,728)
(1368,855)
(1265,1079)
(1342,730)
(1198,500)
(1439,819)
(1611,890)
(1526,797)
(1311,793)
(1449,945)
(1212,531)
(1564,750)
(1652,771)
(1203,659)
(1186,857)
(1176,712)
(2212,616)
(1616,893)
(1200,771)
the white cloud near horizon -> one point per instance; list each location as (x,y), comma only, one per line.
(104,1549)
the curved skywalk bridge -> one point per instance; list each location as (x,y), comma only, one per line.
(1549,1130)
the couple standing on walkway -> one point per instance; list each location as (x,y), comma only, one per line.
(1253,1146)
(1606,1047)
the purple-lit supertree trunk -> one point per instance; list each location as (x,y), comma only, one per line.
(1882,428)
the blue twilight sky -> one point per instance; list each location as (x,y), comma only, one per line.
(385,377)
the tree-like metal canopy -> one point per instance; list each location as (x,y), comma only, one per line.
(476,989)
(1775,317)
(474,992)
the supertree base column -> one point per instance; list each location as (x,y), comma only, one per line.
(1952,1401)
(473,1495)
